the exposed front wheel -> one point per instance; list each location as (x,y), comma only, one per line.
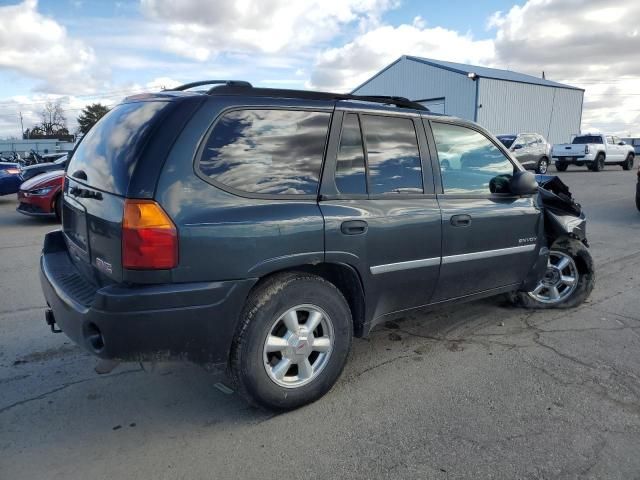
(543,165)
(628,163)
(568,280)
(292,343)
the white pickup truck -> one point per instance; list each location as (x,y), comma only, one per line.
(594,151)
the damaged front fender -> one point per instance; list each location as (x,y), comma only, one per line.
(563,216)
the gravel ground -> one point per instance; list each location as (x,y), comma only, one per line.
(480,390)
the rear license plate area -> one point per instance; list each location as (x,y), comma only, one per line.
(74,226)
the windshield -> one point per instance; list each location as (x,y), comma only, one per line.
(583,139)
(507,140)
(107,155)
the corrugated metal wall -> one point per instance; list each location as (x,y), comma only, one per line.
(418,81)
(510,107)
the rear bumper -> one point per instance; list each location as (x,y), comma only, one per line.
(192,321)
(33,210)
(574,158)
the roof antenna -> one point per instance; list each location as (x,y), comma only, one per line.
(543,77)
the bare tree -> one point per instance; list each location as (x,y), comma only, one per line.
(53,124)
(53,119)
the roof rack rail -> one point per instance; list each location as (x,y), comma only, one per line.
(243,88)
(187,86)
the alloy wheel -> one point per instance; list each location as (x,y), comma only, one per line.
(298,346)
(559,281)
(543,166)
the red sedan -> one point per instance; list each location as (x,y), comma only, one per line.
(40,195)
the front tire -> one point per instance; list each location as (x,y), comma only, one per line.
(292,343)
(568,281)
(628,163)
(542,166)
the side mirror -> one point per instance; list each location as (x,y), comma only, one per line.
(518,147)
(523,183)
(621,143)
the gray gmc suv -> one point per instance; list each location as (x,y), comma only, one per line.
(261,229)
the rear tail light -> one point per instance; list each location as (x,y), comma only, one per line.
(586,149)
(149,237)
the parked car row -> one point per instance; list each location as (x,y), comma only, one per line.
(30,158)
(38,186)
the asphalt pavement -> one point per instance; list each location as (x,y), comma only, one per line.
(480,390)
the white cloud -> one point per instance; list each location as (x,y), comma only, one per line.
(31,105)
(39,47)
(587,43)
(346,67)
(580,42)
(200,30)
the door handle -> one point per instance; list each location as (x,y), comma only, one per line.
(354,227)
(461,220)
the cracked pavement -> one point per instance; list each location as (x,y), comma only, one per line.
(480,390)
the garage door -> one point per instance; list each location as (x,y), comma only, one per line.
(436,105)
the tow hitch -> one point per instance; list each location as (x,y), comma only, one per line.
(51,321)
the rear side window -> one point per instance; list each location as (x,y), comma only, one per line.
(107,155)
(267,151)
(393,157)
(350,171)
(470,163)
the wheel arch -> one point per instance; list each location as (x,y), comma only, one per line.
(575,246)
(343,276)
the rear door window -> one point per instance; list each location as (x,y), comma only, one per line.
(350,170)
(107,155)
(470,163)
(276,152)
(393,158)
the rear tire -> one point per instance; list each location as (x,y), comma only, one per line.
(628,163)
(598,164)
(273,363)
(561,166)
(543,166)
(578,264)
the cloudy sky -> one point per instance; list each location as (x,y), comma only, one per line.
(82,51)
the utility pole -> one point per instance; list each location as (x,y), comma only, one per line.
(21,127)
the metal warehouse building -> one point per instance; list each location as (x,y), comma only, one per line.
(500,100)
